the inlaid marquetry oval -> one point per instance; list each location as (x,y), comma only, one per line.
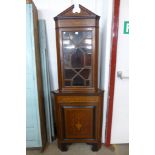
(77,99)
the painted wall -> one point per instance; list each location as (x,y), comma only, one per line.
(48,9)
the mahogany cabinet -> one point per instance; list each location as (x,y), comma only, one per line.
(78,118)
(78,101)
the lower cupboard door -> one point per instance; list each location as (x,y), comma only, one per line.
(78,122)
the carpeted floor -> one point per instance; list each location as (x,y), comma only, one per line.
(82,149)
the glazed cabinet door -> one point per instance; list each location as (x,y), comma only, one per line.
(77,51)
(77,59)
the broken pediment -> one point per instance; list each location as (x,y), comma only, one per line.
(84,13)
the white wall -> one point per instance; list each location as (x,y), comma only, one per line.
(47,9)
(120,121)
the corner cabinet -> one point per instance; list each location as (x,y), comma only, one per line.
(78,101)
(35,116)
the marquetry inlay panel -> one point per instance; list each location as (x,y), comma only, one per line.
(79,121)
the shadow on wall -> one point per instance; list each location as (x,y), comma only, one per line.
(51,77)
(48,63)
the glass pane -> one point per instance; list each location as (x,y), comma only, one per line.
(65,35)
(67,58)
(78,81)
(76,37)
(85,73)
(77,52)
(88,34)
(77,70)
(67,83)
(88,59)
(77,59)
(68,73)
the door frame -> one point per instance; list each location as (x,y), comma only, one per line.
(112,70)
